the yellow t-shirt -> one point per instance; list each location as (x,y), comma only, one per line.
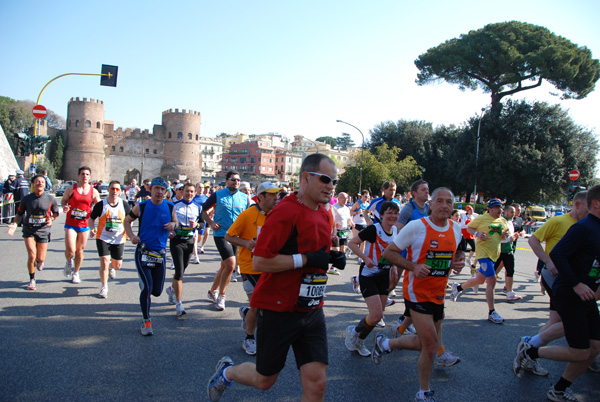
(493,228)
(246,227)
(553,230)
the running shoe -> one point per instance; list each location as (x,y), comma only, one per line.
(39,265)
(378,351)
(504,290)
(333,271)
(355,284)
(179,310)
(455,293)
(495,317)
(354,343)
(522,361)
(31,285)
(171,293)
(473,270)
(68,268)
(595,366)
(201,250)
(75,278)
(249,346)
(195,260)
(243,313)
(392,293)
(427,397)
(476,289)
(390,302)
(212,296)
(410,329)
(221,303)
(233,277)
(217,383)
(536,275)
(146,330)
(447,359)
(560,396)
(172,265)
(103,292)
(381,323)
(112,273)
(512,296)
(537,369)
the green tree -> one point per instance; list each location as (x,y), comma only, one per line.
(345,141)
(510,57)
(379,166)
(56,153)
(329,140)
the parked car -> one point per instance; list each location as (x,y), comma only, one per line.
(103,190)
(61,191)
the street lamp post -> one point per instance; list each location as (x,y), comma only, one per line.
(477,158)
(361,154)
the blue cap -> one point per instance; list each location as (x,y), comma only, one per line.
(159,181)
(494,202)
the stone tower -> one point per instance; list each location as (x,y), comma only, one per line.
(85,138)
(182,145)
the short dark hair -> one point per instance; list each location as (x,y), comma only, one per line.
(147,181)
(365,192)
(312,162)
(231,173)
(388,205)
(415,186)
(114,182)
(593,194)
(84,168)
(388,184)
(36,176)
(189,185)
(516,205)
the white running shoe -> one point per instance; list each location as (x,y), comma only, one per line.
(212,296)
(392,293)
(355,284)
(447,359)
(31,285)
(171,293)
(195,260)
(221,303)
(512,296)
(103,292)
(333,271)
(561,396)
(381,323)
(217,383)
(455,293)
(495,317)
(378,351)
(427,397)
(39,265)
(179,310)
(390,302)
(146,331)
(68,268)
(249,346)
(112,273)
(233,277)
(354,343)
(76,278)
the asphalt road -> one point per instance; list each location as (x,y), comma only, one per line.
(61,342)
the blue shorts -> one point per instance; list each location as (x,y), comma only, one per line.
(78,229)
(486,267)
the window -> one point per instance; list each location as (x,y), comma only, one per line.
(251,160)
(76,123)
(179,135)
(234,159)
(242,160)
(196,137)
(120,149)
(169,134)
(271,160)
(270,169)
(147,151)
(98,125)
(189,136)
(235,151)
(154,151)
(88,123)
(112,148)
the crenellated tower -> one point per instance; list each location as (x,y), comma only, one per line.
(182,144)
(85,138)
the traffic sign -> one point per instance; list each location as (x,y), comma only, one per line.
(574,175)
(39,112)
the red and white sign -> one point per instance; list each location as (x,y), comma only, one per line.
(574,175)
(39,112)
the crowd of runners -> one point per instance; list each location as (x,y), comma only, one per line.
(284,246)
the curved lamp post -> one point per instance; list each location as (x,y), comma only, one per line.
(361,154)
(477,157)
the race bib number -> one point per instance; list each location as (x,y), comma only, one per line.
(384,264)
(439,262)
(37,220)
(595,271)
(184,232)
(151,258)
(79,214)
(113,224)
(312,290)
(343,234)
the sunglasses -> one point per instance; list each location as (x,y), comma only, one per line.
(324,178)
(234,179)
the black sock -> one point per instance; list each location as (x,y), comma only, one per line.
(363,329)
(491,311)
(533,353)
(562,384)
(32,276)
(249,336)
(459,288)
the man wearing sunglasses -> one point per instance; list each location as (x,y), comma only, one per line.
(228,203)
(292,252)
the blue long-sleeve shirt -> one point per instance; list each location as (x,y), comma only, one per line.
(575,253)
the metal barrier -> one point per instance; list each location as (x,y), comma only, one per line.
(7,208)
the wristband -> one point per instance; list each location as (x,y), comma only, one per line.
(297,260)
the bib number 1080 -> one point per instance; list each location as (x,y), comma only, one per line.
(313,290)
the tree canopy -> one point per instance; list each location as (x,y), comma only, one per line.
(328,140)
(510,57)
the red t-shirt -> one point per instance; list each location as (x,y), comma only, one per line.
(81,207)
(291,228)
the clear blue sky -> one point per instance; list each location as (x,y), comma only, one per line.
(291,67)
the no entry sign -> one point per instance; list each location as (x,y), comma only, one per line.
(39,112)
(574,175)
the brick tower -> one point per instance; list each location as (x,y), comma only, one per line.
(182,145)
